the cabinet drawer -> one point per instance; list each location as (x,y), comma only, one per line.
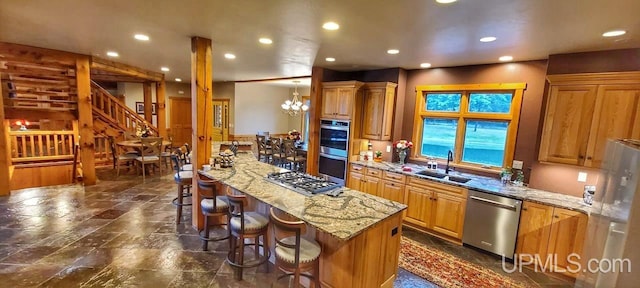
(395,177)
(357,168)
(374,172)
(439,187)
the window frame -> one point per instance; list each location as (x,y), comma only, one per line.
(513,118)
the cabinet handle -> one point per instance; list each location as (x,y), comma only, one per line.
(588,157)
(580,157)
(392,184)
(556,216)
(524,209)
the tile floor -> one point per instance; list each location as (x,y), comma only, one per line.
(121,233)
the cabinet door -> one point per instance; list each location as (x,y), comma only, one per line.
(419,209)
(617,116)
(355,181)
(567,236)
(448,214)
(389,112)
(566,125)
(372,113)
(534,231)
(344,103)
(329,102)
(372,185)
(392,191)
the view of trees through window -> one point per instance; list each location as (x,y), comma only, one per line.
(484,140)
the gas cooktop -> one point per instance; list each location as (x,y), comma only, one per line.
(304,183)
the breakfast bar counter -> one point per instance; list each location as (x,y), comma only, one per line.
(359,233)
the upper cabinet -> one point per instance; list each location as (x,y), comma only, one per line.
(338,99)
(378,110)
(583,111)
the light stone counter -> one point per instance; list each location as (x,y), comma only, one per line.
(343,217)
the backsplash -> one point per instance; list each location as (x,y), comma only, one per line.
(561,178)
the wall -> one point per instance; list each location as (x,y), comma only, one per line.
(227,90)
(296,121)
(260,109)
(530,72)
(133,93)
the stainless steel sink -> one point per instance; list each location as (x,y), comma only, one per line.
(433,174)
(459,179)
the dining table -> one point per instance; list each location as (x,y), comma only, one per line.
(137,144)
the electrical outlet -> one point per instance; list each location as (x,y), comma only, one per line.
(517,164)
(582,176)
(388,148)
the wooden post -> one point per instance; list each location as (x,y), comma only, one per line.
(5,151)
(146,90)
(161,112)
(315,110)
(202,115)
(85,120)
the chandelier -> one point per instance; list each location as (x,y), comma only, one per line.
(295,105)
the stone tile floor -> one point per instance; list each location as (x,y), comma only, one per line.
(122,233)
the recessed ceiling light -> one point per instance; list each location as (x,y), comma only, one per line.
(112,54)
(165,69)
(488,39)
(614,33)
(331,26)
(229,56)
(265,40)
(393,51)
(141,37)
(446,1)
(178,80)
(505,58)
(330,59)
(425,65)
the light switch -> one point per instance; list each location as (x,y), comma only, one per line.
(388,148)
(517,164)
(582,176)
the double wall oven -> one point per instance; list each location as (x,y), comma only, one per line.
(334,149)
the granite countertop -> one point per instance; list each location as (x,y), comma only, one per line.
(343,217)
(490,185)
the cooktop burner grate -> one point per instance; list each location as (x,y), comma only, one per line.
(304,183)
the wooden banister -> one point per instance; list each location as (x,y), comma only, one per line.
(111,109)
(40,145)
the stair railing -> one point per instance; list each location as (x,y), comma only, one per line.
(110,108)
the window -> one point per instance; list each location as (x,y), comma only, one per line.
(477,122)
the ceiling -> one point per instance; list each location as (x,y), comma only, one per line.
(423,31)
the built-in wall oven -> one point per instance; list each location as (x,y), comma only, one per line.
(334,149)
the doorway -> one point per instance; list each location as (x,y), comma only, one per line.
(180,120)
(220,120)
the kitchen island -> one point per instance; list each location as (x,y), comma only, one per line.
(359,233)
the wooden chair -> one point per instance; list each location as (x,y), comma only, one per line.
(295,254)
(186,166)
(166,153)
(150,153)
(264,150)
(184,180)
(122,156)
(291,156)
(246,225)
(276,152)
(211,205)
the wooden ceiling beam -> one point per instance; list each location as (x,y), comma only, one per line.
(116,78)
(124,69)
(38,113)
(36,55)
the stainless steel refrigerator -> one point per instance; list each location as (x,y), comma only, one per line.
(614,225)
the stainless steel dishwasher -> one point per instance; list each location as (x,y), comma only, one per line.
(491,223)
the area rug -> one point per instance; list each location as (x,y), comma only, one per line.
(446,270)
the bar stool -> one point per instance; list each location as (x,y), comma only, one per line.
(294,254)
(184,180)
(245,225)
(211,206)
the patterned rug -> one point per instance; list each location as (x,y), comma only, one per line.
(446,270)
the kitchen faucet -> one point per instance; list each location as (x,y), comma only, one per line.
(449,159)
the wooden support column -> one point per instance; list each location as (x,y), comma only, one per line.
(85,120)
(315,110)
(146,92)
(5,151)
(161,112)
(201,115)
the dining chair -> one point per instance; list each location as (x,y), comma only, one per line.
(264,150)
(184,165)
(123,156)
(291,155)
(150,151)
(276,152)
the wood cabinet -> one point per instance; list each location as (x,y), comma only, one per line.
(355,181)
(583,111)
(419,206)
(365,179)
(378,110)
(338,99)
(547,231)
(448,214)
(372,185)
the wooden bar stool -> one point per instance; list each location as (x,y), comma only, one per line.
(211,206)
(294,254)
(245,225)
(184,180)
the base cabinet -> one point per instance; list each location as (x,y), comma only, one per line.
(448,215)
(419,206)
(550,235)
